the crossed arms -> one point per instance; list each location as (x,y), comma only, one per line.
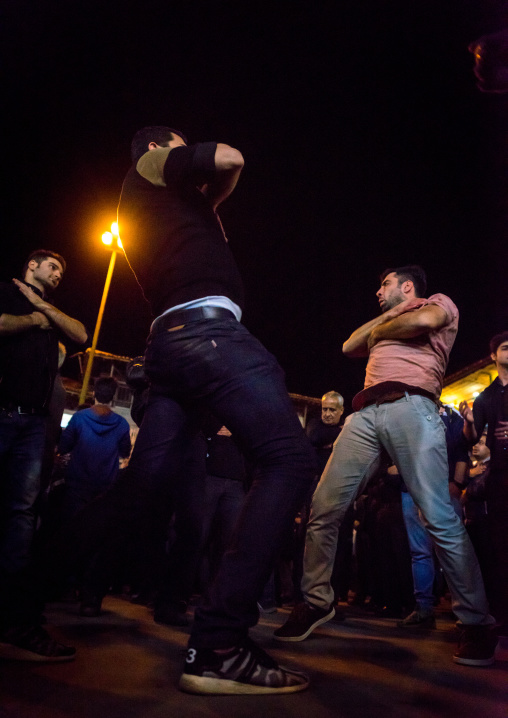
(45,316)
(407,320)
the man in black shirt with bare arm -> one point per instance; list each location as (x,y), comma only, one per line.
(30,328)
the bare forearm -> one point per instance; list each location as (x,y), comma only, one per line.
(69,326)
(406,326)
(360,341)
(229,164)
(10,324)
(357,344)
(470,432)
(410,324)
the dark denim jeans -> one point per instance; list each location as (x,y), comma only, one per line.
(213,365)
(218,365)
(21,449)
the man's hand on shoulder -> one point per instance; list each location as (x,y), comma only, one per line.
(29,293)
(409,323)
(363,339)
(52,316)
(409,305)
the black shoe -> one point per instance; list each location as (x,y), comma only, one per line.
(171,614)
(477,646)
(245,669)
(33,643)
(303,619)
(418,619)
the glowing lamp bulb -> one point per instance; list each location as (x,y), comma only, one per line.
(114,229)
(107,238)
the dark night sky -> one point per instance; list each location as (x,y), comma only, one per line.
(365,139)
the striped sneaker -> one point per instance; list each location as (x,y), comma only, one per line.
(244,670)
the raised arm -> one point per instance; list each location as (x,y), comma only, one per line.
(358,343)
(469,427)
(69,326)
(228,163)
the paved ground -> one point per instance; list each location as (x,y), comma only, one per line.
(128,667)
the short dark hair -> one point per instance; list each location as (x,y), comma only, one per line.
(412,272)
(159,134)
(104,389)
(39,255)
(496,341)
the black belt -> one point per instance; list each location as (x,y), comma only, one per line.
(21,409)
(185,316)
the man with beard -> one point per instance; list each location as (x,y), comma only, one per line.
(408,347)
(30,327)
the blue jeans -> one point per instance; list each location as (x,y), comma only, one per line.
(21,448)
(218,365)
(214,365)
(413,435)
(223,502)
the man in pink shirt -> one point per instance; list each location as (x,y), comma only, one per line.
(408,347)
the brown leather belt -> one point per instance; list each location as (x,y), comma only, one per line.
(392,396)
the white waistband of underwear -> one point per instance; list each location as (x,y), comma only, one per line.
(213,301)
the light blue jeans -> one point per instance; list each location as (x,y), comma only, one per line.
(413,434)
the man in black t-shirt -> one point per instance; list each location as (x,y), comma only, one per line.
(30,327)
(199,357)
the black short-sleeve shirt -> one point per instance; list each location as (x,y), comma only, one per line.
(29,359)
(172,237)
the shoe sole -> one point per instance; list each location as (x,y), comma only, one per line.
(478,662)
(15,653)
(201,685)
(307,633)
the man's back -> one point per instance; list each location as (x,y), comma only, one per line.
(172,237)
(96,439)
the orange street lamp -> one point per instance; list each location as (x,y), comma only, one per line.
(114,243)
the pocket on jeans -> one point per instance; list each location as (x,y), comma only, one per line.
(426,409)
(183,363)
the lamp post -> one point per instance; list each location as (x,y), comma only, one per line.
(113,242)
